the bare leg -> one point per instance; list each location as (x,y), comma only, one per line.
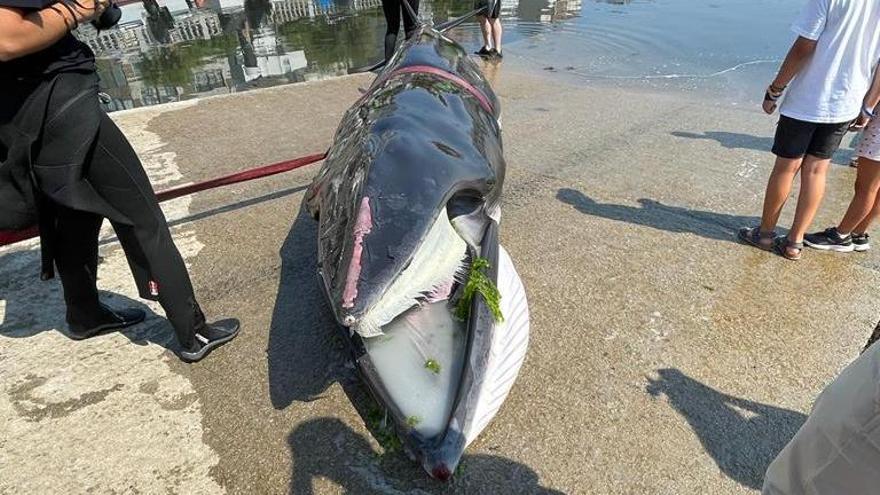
(486,29)
(863,227)
(778,190)
(496,34)
(813,173)
(864,201)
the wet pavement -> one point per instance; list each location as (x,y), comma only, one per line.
(665,358)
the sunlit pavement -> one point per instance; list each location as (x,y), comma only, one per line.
(665,358)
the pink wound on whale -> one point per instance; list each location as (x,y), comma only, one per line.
(362,227)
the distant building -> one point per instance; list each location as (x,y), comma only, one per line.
(269,58)
(129,37)
(198,24)
(290,10)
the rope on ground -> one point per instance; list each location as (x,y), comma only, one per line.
(8,237)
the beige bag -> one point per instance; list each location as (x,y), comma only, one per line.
(837,450)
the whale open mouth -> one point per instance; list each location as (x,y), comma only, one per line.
(440,369)
(418,341)
(437,265)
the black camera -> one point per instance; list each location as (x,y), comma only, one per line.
(109,18)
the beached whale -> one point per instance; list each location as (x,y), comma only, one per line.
(408,204)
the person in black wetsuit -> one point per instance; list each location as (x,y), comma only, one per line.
(66,166)
(393,10)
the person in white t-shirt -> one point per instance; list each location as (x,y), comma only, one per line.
(829,68)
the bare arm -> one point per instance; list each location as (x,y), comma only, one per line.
(798,56)
(872,99)
(869,103)
(23,33)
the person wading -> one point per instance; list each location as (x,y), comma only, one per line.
(393,10)
(66,166)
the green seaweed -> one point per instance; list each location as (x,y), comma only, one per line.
(383,431)
(478,283)
(433,366)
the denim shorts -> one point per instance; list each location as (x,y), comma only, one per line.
(796,138)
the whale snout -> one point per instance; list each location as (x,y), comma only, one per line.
(441,472)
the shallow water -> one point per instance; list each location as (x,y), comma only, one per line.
(166,50)
(730,48)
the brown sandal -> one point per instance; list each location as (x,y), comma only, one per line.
(782,244)
(754,237)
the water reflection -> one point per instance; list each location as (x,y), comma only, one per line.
(168,50)
(544,10)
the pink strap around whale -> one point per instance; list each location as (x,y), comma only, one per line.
(443,74)
(458,81)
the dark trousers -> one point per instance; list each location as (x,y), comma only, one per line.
(115,172)
(393,10)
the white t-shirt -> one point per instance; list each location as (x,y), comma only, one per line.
(832,85)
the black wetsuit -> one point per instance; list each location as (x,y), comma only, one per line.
(64,163)
(393,10)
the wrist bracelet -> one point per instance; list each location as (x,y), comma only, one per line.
(774,91)
(868,112)
(777,89)
(72,13)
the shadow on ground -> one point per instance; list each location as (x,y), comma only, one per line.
(306,351)
(736,140)
(650,213)
(742,436)
(731,140)
(327,449)
(33,306)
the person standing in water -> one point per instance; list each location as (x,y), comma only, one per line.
(393,10)
(490,25)
(65,165)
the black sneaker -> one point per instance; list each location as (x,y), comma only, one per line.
(108,321)
(210,337)
(860,242)
(483,52)
(830,240)
(496,54)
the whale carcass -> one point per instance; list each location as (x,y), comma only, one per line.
(408,204)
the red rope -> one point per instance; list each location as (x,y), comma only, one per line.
(12,236)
